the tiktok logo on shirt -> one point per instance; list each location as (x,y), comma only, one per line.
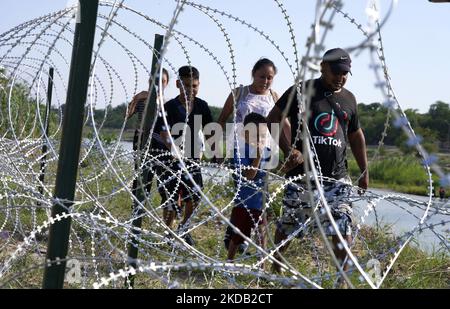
(329,141)
(326,124)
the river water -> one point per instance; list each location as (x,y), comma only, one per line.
(403,216)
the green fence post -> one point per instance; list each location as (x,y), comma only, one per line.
(140,184)
(70,143)
(46,124)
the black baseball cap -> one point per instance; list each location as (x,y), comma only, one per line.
(338,59)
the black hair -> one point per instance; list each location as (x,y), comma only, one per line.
(165,72)
(254,118)
(188,72)
(263,62)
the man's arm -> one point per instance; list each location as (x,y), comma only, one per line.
(141,96)
(358,145)
(296,157)
(285,137)
(275,117)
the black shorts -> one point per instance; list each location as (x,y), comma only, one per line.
(172,180)
(189,192)
(164,168)
(245,220)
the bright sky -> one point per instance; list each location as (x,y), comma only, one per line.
(415,40)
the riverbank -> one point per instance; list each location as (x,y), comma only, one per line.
(400,172)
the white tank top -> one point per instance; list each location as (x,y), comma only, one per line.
(261,104)
(253,103)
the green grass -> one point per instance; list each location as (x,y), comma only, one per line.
(399,172)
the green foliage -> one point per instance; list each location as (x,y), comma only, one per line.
(18,111)
(115,116)
(394,170)
(215,111)
(438,120)
(372,119)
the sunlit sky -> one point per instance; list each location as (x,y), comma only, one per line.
(415,38)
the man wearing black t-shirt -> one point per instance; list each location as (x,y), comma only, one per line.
(332,123)
(186,115)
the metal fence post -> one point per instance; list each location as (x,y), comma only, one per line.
(70,143)
(46,130)
(143,175)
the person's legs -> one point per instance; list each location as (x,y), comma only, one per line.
(292,219)
(188,211)
(232,248)
(168,188)
(168,216)
(339,250)
(341,255)
(191,197)
(262,239)
(240,218)
(279,237)
(342,212)
(189,207)
(262,231)
(171,211)
(227,237)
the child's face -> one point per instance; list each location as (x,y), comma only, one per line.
(188,88)
(256,134)
(164,81)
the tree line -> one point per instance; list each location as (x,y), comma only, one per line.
(433,126)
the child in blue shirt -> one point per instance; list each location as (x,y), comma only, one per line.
(247,212)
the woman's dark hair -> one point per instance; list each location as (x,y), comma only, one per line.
(164,71)
(263,62)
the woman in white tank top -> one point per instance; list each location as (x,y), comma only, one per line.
(258,97)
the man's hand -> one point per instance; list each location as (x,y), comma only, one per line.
(295,159)
(363,182)
(358,146)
